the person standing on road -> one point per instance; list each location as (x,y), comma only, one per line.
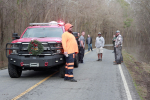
(70,49)
(89,42)
(78,39)
(78,34)
(99,44)
(82,47)
(118,47)
(79,47)
(113,41)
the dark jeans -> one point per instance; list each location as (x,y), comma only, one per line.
(119,56)
(81,54)
(89,47)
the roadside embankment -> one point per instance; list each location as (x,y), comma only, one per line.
(2,68)
(140,72)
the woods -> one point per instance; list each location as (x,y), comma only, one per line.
(107,16)
(131,17)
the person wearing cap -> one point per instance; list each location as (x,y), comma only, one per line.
(99,44)
(82,47)
(70,49)
(118,47)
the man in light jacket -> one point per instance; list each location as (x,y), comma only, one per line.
(99,44)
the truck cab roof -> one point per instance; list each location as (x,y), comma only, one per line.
(43,32)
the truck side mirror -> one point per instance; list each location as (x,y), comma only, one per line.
(15,36)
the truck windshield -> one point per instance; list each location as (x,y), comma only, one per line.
(43,32)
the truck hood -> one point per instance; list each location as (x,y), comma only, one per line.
(48,39)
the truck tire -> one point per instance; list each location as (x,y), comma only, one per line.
(62,71)
(14,71)
(76,61)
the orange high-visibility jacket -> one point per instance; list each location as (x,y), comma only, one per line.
(69,43)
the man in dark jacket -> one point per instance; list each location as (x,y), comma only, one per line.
(89,42)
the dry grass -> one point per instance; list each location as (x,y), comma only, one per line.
(140,72)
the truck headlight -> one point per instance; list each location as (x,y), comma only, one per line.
(58,51)
(14,51)
(58,45)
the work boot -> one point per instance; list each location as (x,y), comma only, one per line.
(65,80)
(73,80)
(114,61)
(117,63)
(81,61)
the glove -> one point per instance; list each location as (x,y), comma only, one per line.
(76,53)
(66,54)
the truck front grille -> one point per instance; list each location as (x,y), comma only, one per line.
(49,48)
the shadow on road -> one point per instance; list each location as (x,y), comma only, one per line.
(37,74)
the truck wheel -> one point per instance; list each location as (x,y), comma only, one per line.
(76,61)
(62,71)
(14,71)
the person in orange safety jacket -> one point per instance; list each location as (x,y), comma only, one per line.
(70,49)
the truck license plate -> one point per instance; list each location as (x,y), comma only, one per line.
(34,64)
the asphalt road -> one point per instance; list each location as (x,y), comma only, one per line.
(97,80)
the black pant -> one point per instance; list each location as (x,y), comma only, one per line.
(81,54)
(115,53)
(69,67)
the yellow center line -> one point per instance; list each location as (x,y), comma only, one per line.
(31,88)
(87,52)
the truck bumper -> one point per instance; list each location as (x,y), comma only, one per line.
(36,61)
